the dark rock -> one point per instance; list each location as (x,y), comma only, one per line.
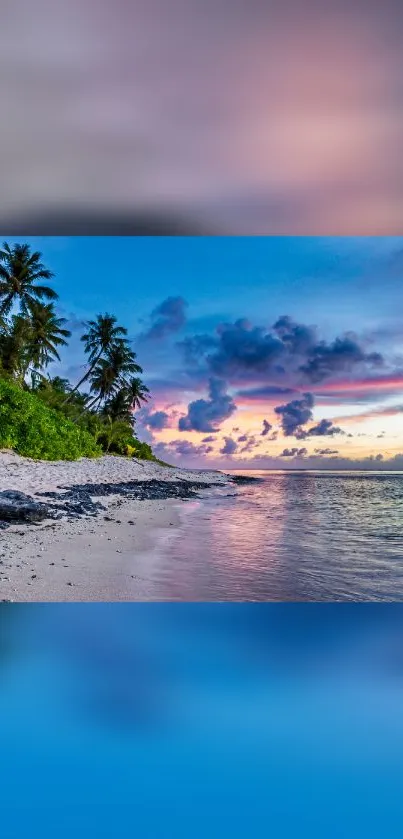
(18,507)
(245,479)
(77,501)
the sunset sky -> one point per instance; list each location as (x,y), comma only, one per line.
(259,352)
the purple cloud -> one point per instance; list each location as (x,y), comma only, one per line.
(266,428)
(294,452)
(295,413)
(167,318)
(205,415)
(324,428)
(156,420)
(290,353)
(229,446)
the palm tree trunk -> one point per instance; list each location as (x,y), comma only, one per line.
(84,378)
(87,408)
(97,399)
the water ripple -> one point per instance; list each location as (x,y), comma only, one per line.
(292,536)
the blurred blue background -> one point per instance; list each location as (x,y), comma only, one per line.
(201,720)
(204,116)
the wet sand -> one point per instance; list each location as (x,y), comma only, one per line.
(102,556)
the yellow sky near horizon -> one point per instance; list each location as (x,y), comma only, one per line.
(371,435)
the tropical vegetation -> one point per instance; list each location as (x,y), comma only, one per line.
(49,417)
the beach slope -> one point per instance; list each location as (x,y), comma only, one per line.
(82,530)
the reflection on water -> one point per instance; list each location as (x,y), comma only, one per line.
(292,536)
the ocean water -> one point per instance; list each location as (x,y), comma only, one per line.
(291,536)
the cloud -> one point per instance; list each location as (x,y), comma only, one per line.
(205,415)
(181,448)
(266,428)
(388,411)
(320,462)
(323,360)
(244,348)
(341,356)
(195,347)
(209,439)
(298,338)
(73,323)
(289,353)
(229,446)
(167,318)
(366,388)
(295,413)
(156,420)
(251,444)
(326,451)
(294,452)
(324,428)
(265,392)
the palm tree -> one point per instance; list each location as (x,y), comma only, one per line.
(58,383)
(3,324)
(103,382)
(113,431)
(13,353)
(102,334)
(118,407)
(20,270)
(137,392)
(46,333)
(109,372)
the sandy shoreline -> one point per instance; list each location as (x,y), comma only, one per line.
(105,556)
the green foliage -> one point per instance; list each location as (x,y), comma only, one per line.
(116,436)
(44,417)
(53,393)
(142,450)
(30,428)
(112,428)
(20,270)
(45,333)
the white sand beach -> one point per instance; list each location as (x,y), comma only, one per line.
(91,557)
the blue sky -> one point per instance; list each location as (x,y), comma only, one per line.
(329,288)
(317,277)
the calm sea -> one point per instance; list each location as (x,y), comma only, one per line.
(290,536)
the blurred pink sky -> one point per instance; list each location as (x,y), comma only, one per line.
(284,117)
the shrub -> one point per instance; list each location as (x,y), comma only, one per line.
(116,437)
(142,450)
(32,429)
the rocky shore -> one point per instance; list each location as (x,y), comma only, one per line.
(63,524)
(79,500)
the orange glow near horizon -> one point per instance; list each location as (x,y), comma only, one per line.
(374,432)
